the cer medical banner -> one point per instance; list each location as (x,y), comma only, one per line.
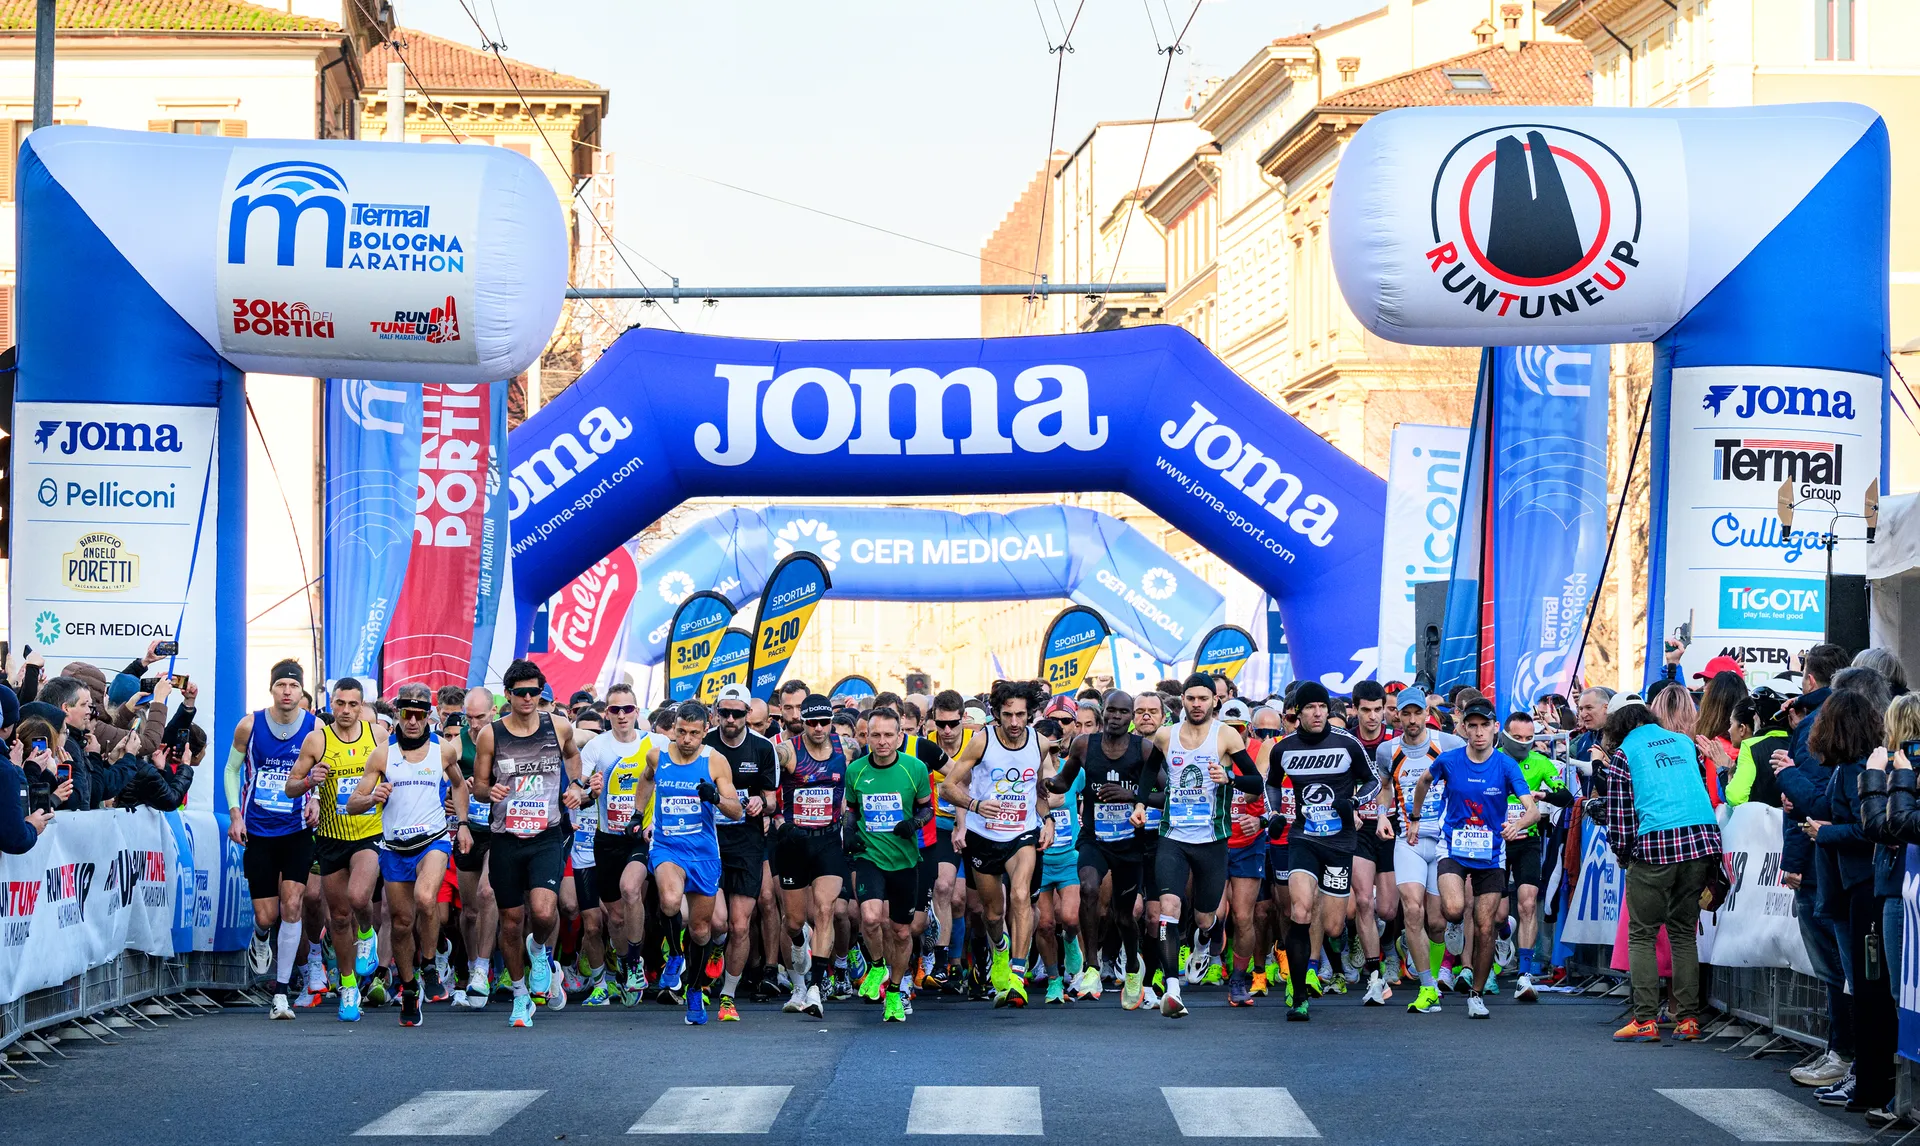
(113,533)
(1734,435)
(1425,469)
(1548,530)
(793,590)
(1223,651)
(1068,650)
(697,625)
(894,554)
(729,664)
(373,463)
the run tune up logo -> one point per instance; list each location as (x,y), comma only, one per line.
(1533,221)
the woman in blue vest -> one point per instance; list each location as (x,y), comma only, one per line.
(1659,820)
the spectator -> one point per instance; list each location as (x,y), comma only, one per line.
(1591,720)
(52,781)
(1724,691)
(1752,778)
(1868,683)
(1887,664)
(163,780)
(1888,815)
(1845,735)
(20,827)
(1802,778)
(111,741)
(1662,829)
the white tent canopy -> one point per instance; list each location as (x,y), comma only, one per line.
(1893,580)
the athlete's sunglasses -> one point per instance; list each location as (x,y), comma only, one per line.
(949,725)
(731,713)
(819,723)
(413,709)
(523,692)
(622,709)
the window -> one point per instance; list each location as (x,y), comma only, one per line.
(1833,29)
(196,127)
(1468,80)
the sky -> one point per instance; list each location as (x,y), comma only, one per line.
(926,119)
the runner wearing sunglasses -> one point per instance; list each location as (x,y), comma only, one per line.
(755,765)
(613,762)
(809,856)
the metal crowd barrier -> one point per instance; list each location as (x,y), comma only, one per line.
(1790,1009)
(132,977)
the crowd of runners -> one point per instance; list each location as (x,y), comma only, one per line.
(473,851)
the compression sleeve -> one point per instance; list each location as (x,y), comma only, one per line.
(237,797)
(1153,780)
(1246,776)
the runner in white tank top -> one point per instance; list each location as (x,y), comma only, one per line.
(995,779)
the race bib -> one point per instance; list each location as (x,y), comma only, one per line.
(1154,815)
(1287,802)
(879,811)
(526,815)
(1009,817)
(479,812)
(583,844)
(344,792)
(1436,795)
(1514,812)
(1472,843)
(1111,823)
(1062,824)
(812,807)
(1368,809)
(1322,820)
(270,789)
(1188,808)
(619,813)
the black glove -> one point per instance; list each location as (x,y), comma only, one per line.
(708,792)
(906,829)
(1558,797)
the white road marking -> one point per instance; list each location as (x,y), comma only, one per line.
(975,1110)
(1238,1112)
(713,1110)
(440,1113)
(1764,1116)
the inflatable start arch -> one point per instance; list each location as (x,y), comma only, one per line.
(1149,412)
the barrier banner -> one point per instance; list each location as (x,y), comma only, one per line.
(697,625)
(430,639)
(1424,474)
(1067,651)
(794,587)
(1594,914)
(729,664)
(1547,509)
(583,625)
(897,554)
(1757,925)
(96,884)
(1907,993)
(852,689)
(373,465)
(1223,651)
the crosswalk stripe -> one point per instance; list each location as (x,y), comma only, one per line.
(713,1110)
(974,1110)
(1764,1116)
(449,1112)
(1238,1112)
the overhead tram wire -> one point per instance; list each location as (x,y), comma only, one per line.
(1170,51)
(435,107)
(493,46)
(1053,126)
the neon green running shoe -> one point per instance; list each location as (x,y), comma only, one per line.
(895,1011)
(601,995)
(1000,969)
(1216,974)
(1159,983)
(874,984)
(1426,1002)
(1313,983)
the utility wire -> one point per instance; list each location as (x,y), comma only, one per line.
(1053,128)
(1170,51)
(1613,534)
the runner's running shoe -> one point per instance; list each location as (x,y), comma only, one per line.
(1170,1005)
(280,1008)
(728,1012)
(1149,998)
(410,1013)
(601,995)
(696,1009)
(1088,986)
(260,954)
(814,1006)
(1503,952)
(1377,991)
(539,968)
(716,964)
(1297,1013)
(874,984)
(1000,968)
(1426,1002)
(375,991)
(1196,963)
(1443,975)
(1477,1008)
(670,975)
(1130,994)
(349,1004)
(522,1011)
(1216,973)
(1523,990)
(1240,990)
(895,1010)
(796,1002)
(1056,993)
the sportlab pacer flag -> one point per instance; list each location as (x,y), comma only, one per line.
(792,591)
(695,635)
(1067,652)
(729,664)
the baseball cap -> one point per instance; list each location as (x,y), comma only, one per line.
(816,707)
(1062,706)
(1623,700)
(974,714)
(734,691)
(1479,706)
(1718,665)
(1235,711)
(1412,696)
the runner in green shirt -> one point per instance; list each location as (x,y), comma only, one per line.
(1525,863)
(889,803)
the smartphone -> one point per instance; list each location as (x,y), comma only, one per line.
(39,744)
(179,680)
(1912,749)
(167,649)
(60,774)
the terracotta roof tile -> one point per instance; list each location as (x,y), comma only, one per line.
(1540,73)
(162,16)
(443,65)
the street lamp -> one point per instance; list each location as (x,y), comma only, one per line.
(1869,513)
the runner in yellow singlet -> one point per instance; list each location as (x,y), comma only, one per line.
(331,762)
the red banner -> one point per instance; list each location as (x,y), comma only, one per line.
(584,624)
(431,637)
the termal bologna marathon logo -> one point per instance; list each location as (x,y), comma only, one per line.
(1532,221)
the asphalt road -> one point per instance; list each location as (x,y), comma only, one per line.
(1085,1073)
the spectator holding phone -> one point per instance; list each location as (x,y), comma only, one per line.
(41,755)
(20,827)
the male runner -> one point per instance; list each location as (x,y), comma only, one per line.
(1003,830)
(612,763)
(950,735)
(1247,850)
(1331,777)
(1474,832)
(479,911)
(889,804)
(1194,787)
(1150,713)
(403,777)
(808,854)
(332,760)
(527,765)
(1057,910)
(687,784)
(1375,898)
(272,827)
(755,766)
(793,698)
(1403,762)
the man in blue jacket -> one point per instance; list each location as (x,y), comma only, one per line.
(1803,783)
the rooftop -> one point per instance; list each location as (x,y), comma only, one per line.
(161,16)
(1539,73)
(443,66)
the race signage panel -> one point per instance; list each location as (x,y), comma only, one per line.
(1068,649)
(113,538)
(583,624)
(1424,475)
(729,664)
(1735,433)
(697,625)
(793,590)
(1223,650)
